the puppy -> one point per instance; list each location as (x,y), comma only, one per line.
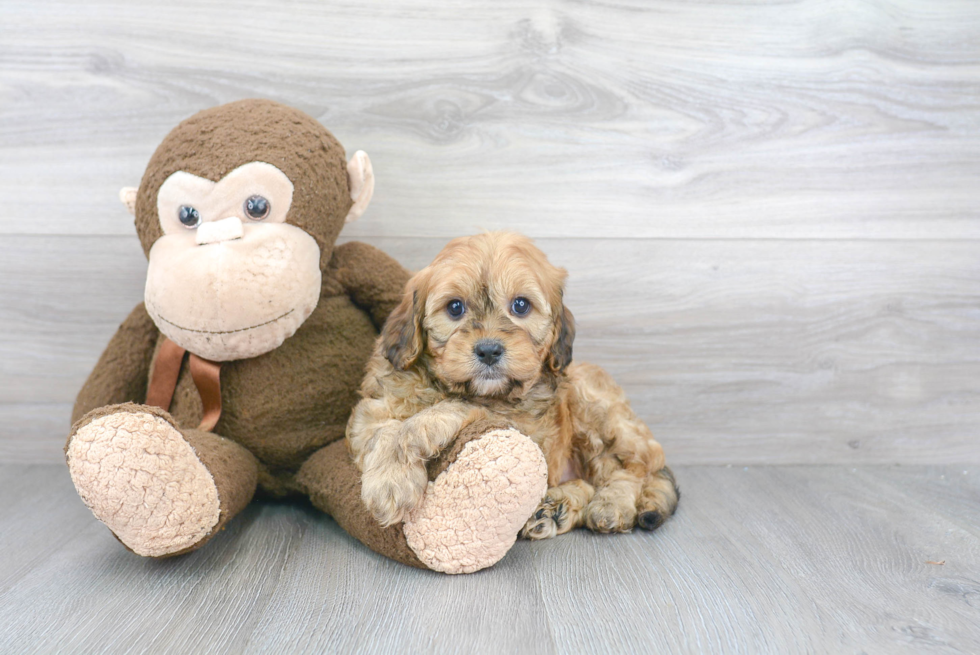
(482,334)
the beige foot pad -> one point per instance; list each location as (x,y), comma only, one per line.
(140,477)
(473,511)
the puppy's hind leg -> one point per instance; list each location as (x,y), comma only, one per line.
(658,499)
(620,454)
(561,510)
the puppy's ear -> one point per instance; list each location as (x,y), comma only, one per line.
(401,336)
(561,349)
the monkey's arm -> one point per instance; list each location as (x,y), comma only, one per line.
(373,280)
(122,371)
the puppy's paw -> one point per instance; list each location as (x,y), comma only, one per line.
(658,499)
(605,515)
(550,519)
(391,492)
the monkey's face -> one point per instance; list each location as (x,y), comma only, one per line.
(230,279)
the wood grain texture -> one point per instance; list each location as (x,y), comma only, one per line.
(766,209)
(757,560)
(628,118)
(733,351)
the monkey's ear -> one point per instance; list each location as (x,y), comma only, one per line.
(360,177)
(401,336)
(127,195)
(561,350)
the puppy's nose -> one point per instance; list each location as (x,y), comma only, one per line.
(488,351)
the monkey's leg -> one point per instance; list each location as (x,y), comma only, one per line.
(162,491)
(481,491)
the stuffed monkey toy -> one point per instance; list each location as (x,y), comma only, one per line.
(239,370)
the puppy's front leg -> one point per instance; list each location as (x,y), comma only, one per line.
(394,477)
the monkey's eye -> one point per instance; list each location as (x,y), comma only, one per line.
(189,217)
(521,306)
(455,308)
(257,208)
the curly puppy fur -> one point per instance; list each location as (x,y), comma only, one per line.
(482,334)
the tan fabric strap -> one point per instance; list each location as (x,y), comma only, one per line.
(207,379)
(166,368)
(206,375)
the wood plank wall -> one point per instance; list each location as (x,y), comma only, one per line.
(770,211)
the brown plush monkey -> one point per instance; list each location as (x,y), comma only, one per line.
(240,369)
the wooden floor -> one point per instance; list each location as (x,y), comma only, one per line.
(790,559)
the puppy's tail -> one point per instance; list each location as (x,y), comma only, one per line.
(658,499)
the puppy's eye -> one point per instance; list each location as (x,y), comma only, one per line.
(455,308)
(189,217)
(257,208)
(521,306)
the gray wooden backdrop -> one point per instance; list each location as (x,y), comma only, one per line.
(770,211)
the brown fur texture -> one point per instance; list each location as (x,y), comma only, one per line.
(123,370)
(427,381)
(213,142)
(282,407)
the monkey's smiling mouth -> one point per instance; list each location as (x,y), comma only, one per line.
(244,329)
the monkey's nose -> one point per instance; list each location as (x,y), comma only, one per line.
(216,231)
(488,351)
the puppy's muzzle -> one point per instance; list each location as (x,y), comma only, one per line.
(488,351)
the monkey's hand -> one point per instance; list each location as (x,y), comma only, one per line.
(373,280)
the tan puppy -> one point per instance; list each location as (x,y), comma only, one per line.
(482,334)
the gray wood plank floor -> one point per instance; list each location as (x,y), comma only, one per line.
(793,559)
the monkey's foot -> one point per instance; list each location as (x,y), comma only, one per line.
(139,476)
(472,512)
